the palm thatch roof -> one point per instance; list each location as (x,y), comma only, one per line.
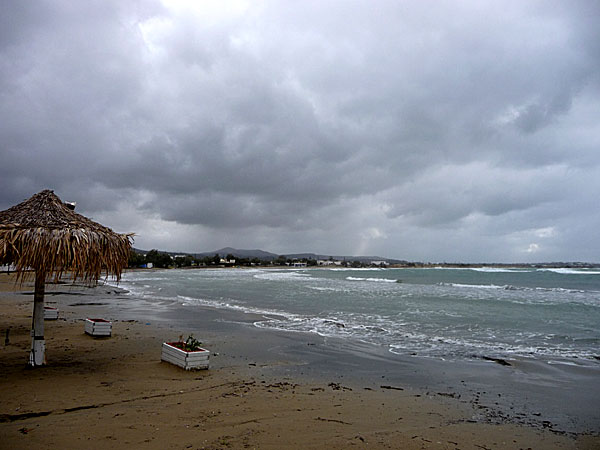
(44,234)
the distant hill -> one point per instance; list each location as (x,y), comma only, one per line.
(238,253)
(268,256)
(362,259)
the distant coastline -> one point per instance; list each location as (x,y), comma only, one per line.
(243,257)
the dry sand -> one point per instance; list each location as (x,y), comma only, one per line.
(116,393)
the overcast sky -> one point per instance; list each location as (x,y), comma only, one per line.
(419,130)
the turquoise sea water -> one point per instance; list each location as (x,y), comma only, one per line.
(552,315)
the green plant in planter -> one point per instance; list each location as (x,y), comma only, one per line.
(191,344)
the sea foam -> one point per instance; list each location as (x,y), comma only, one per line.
(376,280)
(569,271)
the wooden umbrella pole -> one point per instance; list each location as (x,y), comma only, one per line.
(38,344)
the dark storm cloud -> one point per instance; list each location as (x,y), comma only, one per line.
(422,131)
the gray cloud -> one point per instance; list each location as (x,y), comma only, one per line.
(447,131)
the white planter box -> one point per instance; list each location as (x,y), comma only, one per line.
(98,327)
(181,358)
(50,313)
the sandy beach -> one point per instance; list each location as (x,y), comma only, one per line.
(115,392)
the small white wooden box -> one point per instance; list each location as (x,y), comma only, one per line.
(50,313)
(188,360)
(98,327)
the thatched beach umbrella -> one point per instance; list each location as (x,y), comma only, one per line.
(45,235)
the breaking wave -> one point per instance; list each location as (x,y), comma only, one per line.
(569,271)
(376,280)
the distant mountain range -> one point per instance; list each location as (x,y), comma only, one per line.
(268,256)
(239,253)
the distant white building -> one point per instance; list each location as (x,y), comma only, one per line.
(328,262)
(379,263)
(299,264)
(225,261)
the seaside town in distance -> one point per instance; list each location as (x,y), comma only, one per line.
(231,257)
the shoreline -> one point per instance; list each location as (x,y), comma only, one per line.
(560,395)
(265,389)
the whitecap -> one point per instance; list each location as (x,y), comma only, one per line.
(325,289)
(376,280)
(495,270)
(281,276)
(476,286)
(569,271)
(224,304)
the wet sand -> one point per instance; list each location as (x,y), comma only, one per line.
(264,390)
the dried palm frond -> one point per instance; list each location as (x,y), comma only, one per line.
(44,234)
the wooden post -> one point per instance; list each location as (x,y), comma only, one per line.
(38,344)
